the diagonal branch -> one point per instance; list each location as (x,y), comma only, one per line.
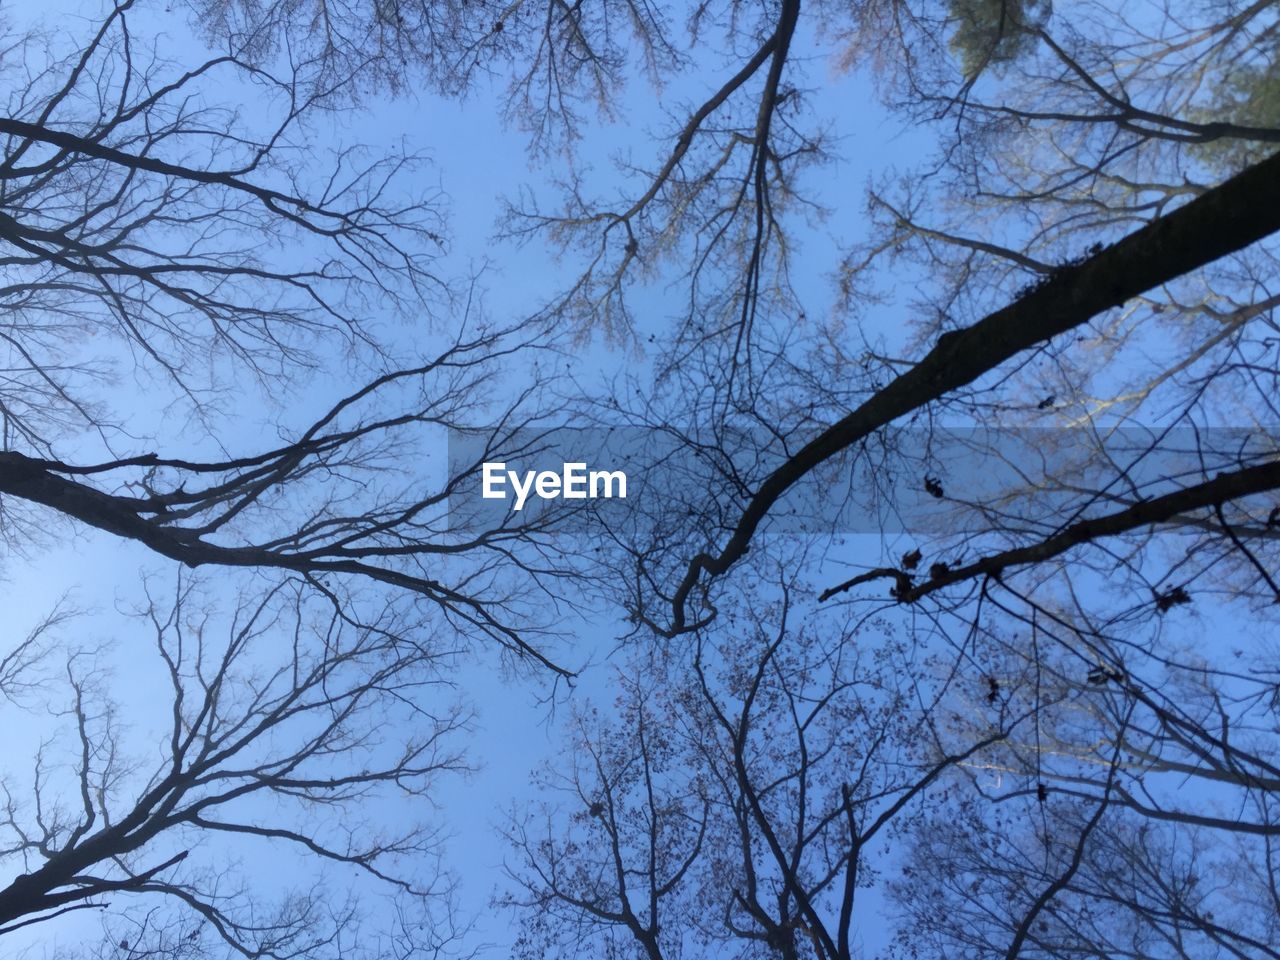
(1221,221)
(1223,488)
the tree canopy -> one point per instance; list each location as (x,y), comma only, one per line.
(939,617)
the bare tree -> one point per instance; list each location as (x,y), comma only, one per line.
(210,253)
(559,63)
(1126,747)
(162,243)
(1087,243)
(1074,792)
(715,196)
(1130,813)
(1217,223)
(740,802)
(276,725)
(136,204)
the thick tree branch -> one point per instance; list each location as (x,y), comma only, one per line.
(1226,219)
(1223,488)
